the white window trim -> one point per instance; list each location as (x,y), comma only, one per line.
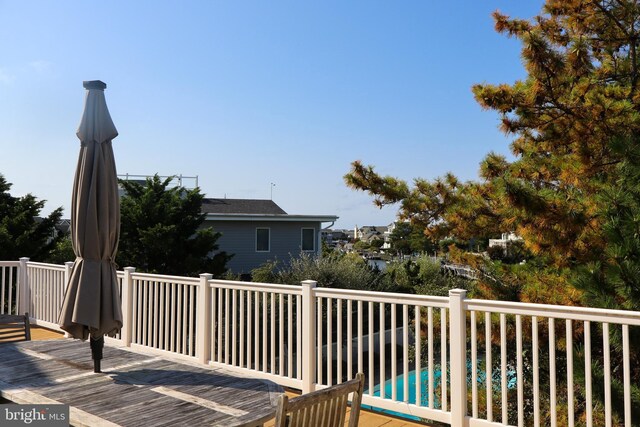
(268,240)
(315,237)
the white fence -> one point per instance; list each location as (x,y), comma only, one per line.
(449,359)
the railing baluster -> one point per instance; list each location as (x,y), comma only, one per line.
(519,372)
(192,306)
(2,283)
(360,364)
(418,346)
(626,375)
(215,325)
(405,352)
(265,304)
(488,365)
(570,403)
(220,325)
(299,336)
(249,334)
(156,314)
(290,336)
(319,359)
(552,372)
(350,341)
(162,314)
(607,374)
(173,321)
(273,333)
(227,319)
(536,370)
(503,367)
(134,313)
(145,312)
(382,363)
(234,327)
(474,367)
(281,354)
(394,355)
(180,326)
(587,373)
(370,331)
(443,357)
(430,355)
(243,313)
(339,338)
(10,302)
(256,332)
(329,342)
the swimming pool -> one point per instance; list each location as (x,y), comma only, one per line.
(411,378)
(424,388)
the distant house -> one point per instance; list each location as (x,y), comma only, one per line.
(368,233)
(256,231)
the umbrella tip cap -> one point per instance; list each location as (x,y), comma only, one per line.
(94,84)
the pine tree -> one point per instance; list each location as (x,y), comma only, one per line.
(580,94)
(161,231)
(23,233)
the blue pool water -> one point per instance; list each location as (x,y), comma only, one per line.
(424,388)
(400,379)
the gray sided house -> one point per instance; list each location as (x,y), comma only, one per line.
(256,231)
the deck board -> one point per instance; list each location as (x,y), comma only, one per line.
(367,418)
(124,394)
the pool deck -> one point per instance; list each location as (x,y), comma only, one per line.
(367,418)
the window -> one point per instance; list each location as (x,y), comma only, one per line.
(308,239)
(262,239)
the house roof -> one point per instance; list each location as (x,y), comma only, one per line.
(241,206)
(253,210)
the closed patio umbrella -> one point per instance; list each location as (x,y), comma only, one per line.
(91,307)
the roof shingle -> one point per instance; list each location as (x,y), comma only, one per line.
(241,206)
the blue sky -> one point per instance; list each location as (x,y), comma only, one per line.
(244,94)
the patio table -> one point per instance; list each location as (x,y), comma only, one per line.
(134,389)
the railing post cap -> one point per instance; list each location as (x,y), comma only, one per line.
(206,276)
(310,283)
(457,293)
(69,263)
(24,259)
(130,269)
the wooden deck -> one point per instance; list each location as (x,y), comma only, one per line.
(134,389)
(367,418)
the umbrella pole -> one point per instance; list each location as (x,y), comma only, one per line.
(97,344)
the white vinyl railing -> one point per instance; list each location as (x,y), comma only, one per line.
(9,276)
(449,359)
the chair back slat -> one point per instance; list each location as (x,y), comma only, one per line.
(322,408)
(14,328)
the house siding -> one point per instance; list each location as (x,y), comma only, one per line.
(239,238)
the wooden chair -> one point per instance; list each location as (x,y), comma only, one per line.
(323,408)
(14,328)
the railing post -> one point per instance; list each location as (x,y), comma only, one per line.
(24,296)
(308,336)
(68,266)
(458,342)
(203,315)
(127,306)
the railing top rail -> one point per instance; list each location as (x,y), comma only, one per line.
(385,297)
(165,278)
(9,263)
(260,287)
(555,311)
(45,265)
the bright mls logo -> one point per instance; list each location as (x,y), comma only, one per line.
(34,415)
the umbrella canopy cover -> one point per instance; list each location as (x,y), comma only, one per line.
(92,299)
